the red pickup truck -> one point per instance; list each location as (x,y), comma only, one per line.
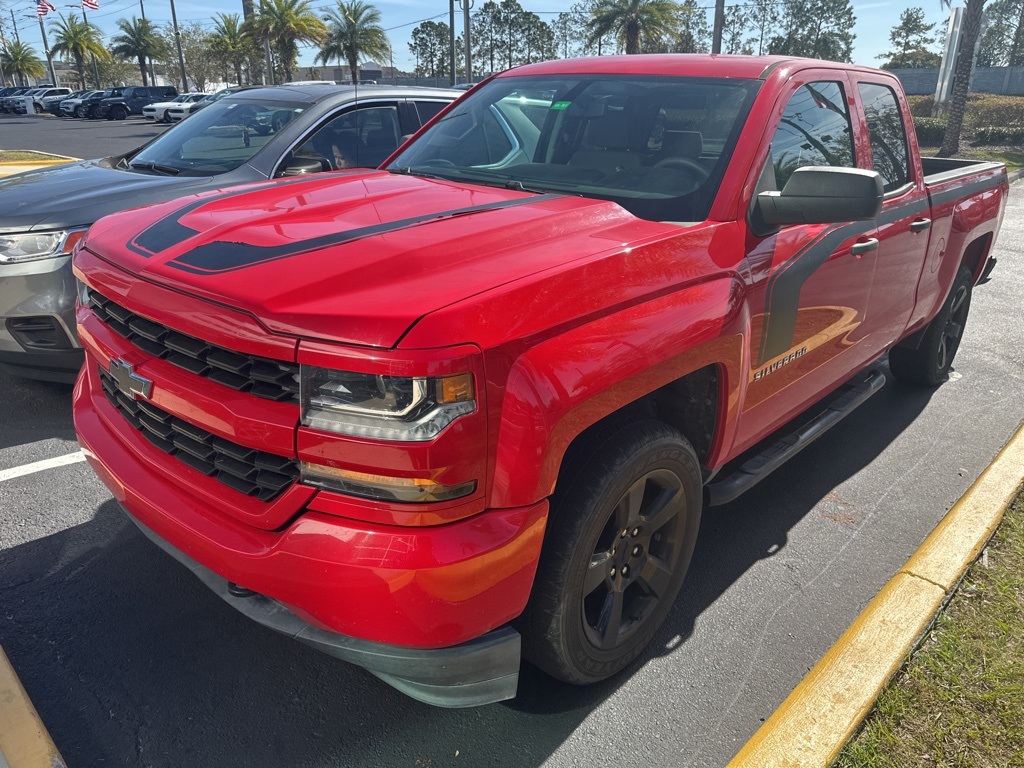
(470,406)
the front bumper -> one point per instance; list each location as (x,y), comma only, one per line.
(481,671)
(36,295)
(421,607)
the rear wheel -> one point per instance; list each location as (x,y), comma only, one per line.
(929,364)
(620,537)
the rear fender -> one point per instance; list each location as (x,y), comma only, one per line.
(564,385)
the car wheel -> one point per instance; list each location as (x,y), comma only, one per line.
(166,116)
(621,532)
(929,364)
(79,112)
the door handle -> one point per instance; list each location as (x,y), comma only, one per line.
(864,246)
(920,225)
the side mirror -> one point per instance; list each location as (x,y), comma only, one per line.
(299,166)
(819,195)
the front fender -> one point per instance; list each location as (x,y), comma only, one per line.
(562,386)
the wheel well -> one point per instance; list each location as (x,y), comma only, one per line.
(689,404)
(975,254)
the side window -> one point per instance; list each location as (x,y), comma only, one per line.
(887,133)
(814,130)
(429,109)
(358,138)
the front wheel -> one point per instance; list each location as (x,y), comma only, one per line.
(929,364)
(620,536)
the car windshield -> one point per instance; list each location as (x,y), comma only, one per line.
(658,146)
(217,139)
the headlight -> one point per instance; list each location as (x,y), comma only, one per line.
(384,407)
(30,246)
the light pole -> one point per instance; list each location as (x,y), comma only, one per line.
(716,38)
(466,5)
(181,56)
(152,70)
(451,42)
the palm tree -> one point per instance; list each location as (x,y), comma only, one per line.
(285,23)
(77,39)
(230,42)
(354,32)
(973,11)
(632,21)
(21,59)
(139,40)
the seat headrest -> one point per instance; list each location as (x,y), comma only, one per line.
(609,132)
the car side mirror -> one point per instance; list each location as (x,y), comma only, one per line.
(819,195)
(300,166)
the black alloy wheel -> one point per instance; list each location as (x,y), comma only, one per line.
(621,531)
(930,362)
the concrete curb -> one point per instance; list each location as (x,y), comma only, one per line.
(24,742)
(825,709)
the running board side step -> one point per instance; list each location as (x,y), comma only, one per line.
(759,466)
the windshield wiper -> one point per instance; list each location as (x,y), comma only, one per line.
(166,170)
(518,186)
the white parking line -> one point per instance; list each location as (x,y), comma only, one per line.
(39,466)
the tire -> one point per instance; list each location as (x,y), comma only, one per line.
(166,116)
(118,113)
(929,364)
(80,111)
(620,536)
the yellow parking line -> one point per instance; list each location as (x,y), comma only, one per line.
(821,714)
(24,742)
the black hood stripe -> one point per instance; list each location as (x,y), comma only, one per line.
(169,231)
(220,257)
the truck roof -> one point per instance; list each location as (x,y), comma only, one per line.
(690,64)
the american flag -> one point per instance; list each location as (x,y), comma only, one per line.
(43,7)
(92,5)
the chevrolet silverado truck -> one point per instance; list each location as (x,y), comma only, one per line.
(469,406)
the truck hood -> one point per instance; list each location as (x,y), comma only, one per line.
(356,257)
(78,194)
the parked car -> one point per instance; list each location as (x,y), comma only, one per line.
(158,111)
(7,100)
(88,107)
(52,104)
(132,100)
(69,107)
(181,111)
(35,98)
(255,135)
(473,404)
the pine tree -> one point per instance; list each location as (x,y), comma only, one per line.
(819,29)
(910,39)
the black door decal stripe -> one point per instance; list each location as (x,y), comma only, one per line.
(220,257)
(782,294)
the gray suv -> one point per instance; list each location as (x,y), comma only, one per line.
(131,101)
(250,136)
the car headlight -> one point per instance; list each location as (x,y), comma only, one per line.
(30,246)
(383,407)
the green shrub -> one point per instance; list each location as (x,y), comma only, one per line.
(988,109)
(930,130)
(921,106)
(998,135)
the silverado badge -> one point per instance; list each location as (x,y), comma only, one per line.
(130,383)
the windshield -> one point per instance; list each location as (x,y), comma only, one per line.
(657,146)
(217,139)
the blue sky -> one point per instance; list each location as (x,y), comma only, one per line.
(874,19)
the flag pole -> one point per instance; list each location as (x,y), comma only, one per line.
(46,47)
(95,66)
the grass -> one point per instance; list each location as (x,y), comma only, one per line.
(959,701)
(26,156)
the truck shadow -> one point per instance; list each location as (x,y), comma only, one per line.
(130,660)
(33,410)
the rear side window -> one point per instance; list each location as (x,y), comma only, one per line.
(428,109)
(887,134)
(814,131)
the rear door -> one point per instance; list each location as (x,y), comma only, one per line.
(904,225)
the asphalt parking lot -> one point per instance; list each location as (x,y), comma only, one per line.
(74,137)
(131,661)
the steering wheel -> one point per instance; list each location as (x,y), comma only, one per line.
(686,165)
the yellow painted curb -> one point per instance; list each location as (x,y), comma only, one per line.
(24,742)
(821,714)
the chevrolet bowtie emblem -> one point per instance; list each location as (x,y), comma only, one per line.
(130,383)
